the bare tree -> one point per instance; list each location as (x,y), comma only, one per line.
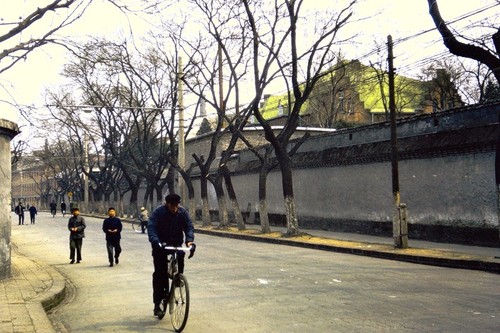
(135,104)
(326,102)
(276,43)
(441,80)
(20,39)
(17,151)
(474,81)
(63,171)
(205,78)
(477,49)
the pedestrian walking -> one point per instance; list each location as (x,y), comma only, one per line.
(76,226)
(33,213)
(144,216)
(169,224)
(20,212)
(63,208)
(112,227)
(53,208)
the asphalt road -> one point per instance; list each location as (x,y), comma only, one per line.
(242,286)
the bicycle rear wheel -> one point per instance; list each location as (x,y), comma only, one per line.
(136,225)
(179,303)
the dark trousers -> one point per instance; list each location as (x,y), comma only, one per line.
(75,244)
(21,218)
(160,277)
(32,219)
(110,245)
(144,225)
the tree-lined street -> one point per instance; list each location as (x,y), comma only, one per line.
(241,286)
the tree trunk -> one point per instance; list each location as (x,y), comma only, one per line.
(205,210)
(264,216)
(134,194)
(171,180)
(292,221)
(159,196)
(192,201)
(232,196)
(192,208)
(122,206)
(221,200)
(263,211)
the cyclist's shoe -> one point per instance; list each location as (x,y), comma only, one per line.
(158,312)
(179,282)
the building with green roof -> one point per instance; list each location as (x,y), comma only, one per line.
(352,94)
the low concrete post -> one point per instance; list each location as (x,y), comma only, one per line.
(8,130)
(403,226)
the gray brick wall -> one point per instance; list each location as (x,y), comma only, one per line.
(342,181)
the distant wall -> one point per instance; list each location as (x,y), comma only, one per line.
(342,181)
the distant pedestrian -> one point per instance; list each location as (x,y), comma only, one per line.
(33,213)
(63,208)
(53,208)
(112,227)
(20,212)
(76,226)
(144,217)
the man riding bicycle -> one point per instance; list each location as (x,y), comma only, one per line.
(144,217)
(169,224)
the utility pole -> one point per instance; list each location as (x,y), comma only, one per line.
(181,158)
(399,222)
(221,83)
(86,173)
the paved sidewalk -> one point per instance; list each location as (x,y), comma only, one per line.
(32,288)
(35,287)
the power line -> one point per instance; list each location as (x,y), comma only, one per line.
(458,19)
(428,60)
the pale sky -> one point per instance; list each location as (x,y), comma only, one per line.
(27,81)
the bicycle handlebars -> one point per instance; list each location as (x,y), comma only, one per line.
(190,249)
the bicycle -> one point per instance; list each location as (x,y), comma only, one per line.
(136,225)
(177,299)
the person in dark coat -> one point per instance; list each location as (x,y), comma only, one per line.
(169,224)
(53,208)
(63,208)
(112,227)
(33,213)
(76,226)
(20,212)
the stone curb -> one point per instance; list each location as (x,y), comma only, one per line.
(39,305)
(442,261)
(55,295)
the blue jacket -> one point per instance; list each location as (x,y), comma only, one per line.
(173,229)
(112,223)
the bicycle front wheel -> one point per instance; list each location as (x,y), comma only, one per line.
(136,225)
(179,303)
